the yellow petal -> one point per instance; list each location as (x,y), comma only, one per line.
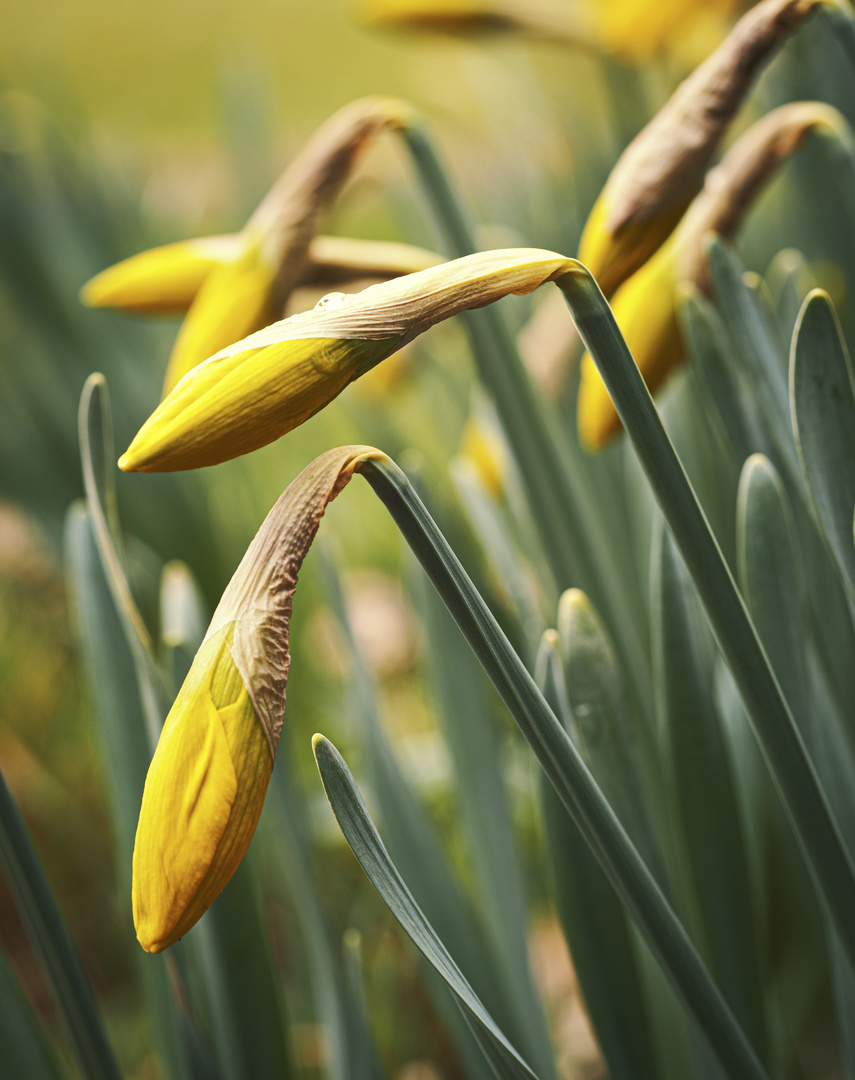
(234,300)
(613,256)
(202,800)
(162,280)
(236,404)
(644,310)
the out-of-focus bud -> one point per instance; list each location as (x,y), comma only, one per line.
(207,780)
(165,280)
(571,20)
(162,280)
(258,389)
(237,285)
(242,296)
(663,168)
(645,304)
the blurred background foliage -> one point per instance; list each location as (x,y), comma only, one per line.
(125,125)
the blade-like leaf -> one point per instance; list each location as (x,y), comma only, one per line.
(27,1053)
(49,934)
(365,842)
(121,726)
(701,775)
(473,740)
(594,921)
(413,842)
(823,408)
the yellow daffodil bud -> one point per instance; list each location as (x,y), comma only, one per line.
(258,389)
(207,780)
(645,304)
(162,280)
(663,168)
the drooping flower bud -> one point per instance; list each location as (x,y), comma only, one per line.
(645,304)
(663,168)
(260,388)
(207,780)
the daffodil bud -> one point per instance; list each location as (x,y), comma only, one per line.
(207,780)
(645,304)
(246,294)
(258,389)
(663,168)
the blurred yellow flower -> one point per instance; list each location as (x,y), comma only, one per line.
(482,446)
(252,392)
(209,775)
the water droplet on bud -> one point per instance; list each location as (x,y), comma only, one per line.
(331,300)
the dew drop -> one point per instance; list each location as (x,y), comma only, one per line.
(331,300)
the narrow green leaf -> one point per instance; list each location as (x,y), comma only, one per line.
(112,679)
(470,731)
(773,722)
(761,356)
(27,1052)
(770,574)
(365,842)
(608,743)
(701,775)
(597,719)
(412,838)
(96,451)
(594,921)
(734,410)
(561,762)
(823,408)
(49,934)
(240,993)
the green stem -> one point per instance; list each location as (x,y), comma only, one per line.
(764,701)
(52,941)
(575,542)
(567,772)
